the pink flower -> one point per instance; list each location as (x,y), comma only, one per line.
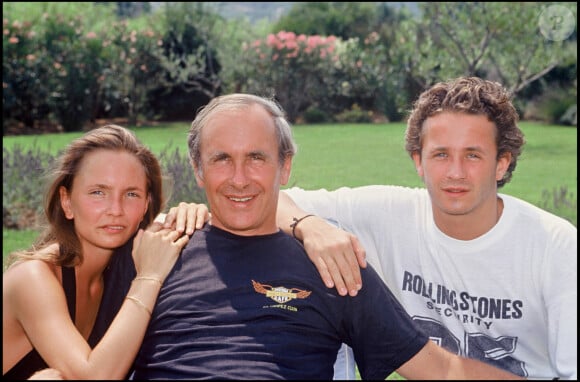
(270,40)
(283,35)
(13,40)
(291,44)
(91,35)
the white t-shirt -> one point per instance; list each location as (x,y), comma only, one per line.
(508,297)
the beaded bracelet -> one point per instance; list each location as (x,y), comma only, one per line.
(140,303)
(296,221)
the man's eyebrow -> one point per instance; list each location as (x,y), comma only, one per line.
(219,155)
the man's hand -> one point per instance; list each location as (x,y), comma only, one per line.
(337,254)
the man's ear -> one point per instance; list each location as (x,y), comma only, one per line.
(198,173)
(502,166)
(65,203)
(417,160)
(286,170)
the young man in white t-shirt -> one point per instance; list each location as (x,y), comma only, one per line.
(484,274)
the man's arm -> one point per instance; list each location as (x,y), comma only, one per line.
(337,254)
(434,362)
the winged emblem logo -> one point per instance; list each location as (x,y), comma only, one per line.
(280,294)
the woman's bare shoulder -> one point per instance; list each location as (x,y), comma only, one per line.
(30,272)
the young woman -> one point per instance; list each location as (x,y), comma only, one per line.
(106,189)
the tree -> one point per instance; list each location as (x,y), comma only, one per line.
(188,60)
(499,41)
(341,19)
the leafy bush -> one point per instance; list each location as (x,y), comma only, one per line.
(552,105)
(64,70)
(315,115)
(355,115)
(24,76)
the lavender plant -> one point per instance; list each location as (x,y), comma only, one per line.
(23,183)
(561,202)
(182,187)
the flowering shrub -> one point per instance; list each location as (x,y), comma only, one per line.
(360,74)
(77,67)
(293,68)
(61,71)
(133,70)
(25,72)
(50,72)
(315,72)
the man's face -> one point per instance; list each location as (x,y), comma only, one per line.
(241,171)
(459,165)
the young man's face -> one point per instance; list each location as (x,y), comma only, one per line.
(241,172)
(459,165)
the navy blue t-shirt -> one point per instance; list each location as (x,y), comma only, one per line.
(236,307)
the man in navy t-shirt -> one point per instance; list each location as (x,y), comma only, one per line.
(244,301)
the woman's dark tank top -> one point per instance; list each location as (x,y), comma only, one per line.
(32,362)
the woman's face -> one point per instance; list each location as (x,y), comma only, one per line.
(108,199)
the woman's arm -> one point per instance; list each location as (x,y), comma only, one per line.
(46,374)
(186,217)
(39,304)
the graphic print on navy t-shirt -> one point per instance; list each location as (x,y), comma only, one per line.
(280,294)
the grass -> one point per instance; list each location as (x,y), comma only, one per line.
(331,156)
(13,240)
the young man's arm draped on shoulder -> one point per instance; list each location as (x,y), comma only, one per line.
(337,254)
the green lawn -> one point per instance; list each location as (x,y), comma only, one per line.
(331,156)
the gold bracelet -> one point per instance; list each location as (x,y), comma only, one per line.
(140,303)
(149,278)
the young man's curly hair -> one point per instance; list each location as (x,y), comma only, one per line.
(470,95)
